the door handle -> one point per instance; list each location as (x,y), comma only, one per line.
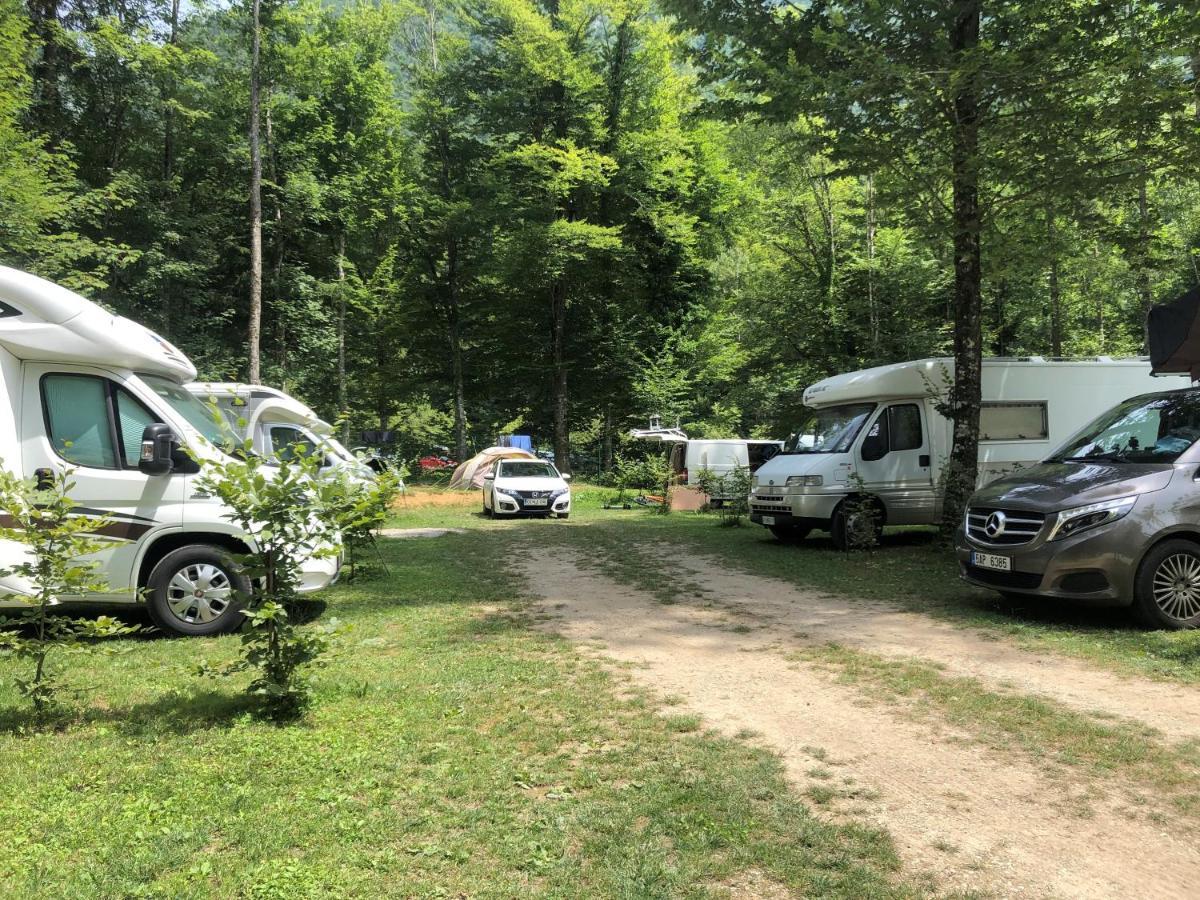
(45,479)
(923,460)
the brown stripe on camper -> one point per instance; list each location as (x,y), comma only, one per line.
(118,526)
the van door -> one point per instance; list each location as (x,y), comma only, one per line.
(89,421)
(893,460)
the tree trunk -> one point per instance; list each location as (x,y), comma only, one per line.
(342,400)
(962,467)
(872,304)
(1056,329)
(606,459)
(1144,290)
(255,329)
(560,401)
(168,113)
(454,337)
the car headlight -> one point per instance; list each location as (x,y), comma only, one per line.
(561,492)
(754,483)
(1083,518)
(805,480)
(507,492)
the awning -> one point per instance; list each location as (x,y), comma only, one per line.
(1173,335)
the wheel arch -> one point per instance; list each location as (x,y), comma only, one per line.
(175,540)
(874,499)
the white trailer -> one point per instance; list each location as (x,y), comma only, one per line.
(879,433)
(103,396)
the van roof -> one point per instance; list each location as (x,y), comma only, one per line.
(926,377)
(265,404)
(40,320)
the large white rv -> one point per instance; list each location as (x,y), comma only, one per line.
(879,433)
(274,422)
(101,395)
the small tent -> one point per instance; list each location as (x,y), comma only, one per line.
(471,473)
(1173,335)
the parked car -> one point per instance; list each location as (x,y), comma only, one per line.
(104,397)
(1112,518)
(880,434)
(529,486)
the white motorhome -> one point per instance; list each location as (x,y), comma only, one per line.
(103,396)
(274,422)
(878,433)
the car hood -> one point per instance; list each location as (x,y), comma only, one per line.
(531,484)
(1053,486)
(777,469)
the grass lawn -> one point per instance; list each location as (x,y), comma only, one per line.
(453,751)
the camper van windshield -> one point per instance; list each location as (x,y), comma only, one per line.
(1141,430)
(197,413)
(829,430)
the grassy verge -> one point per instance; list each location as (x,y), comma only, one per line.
(452,752)
(1040,729)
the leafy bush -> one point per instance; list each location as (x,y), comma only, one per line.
(277,507)
(40,517)
(358,509)
(734,486)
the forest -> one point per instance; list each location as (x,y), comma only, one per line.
(454,219)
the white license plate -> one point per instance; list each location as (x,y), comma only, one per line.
(771,498)
(991,561)
(537,501)
(768,520)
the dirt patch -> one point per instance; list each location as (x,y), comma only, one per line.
(972,818)
(422,497)
(808,616)
(418,532)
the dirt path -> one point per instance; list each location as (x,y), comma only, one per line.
(975,819)
(1172,709)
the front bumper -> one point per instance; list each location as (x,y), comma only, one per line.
(319,572)
(1095,567)
(505,505)
(809,510)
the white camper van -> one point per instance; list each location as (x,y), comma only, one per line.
(720,457)
(878,432)
(274,421)
(104,396)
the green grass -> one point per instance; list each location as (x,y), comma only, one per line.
(452,751)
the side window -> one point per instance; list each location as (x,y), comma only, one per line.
(904,422)
(284,439)
(77,419)
(1014,422)
(132,419)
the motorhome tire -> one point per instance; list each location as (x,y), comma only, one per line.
(1166,592)
(789,534)
(844,522)
(195,591)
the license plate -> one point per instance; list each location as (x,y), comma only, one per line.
(768,520)
(771,498)
(537,501)
(991,561)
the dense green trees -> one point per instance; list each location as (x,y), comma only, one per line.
(562,217)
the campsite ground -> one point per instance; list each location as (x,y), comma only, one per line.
(627,704)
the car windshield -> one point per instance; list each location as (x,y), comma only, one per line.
(197,413)
(829,430)
(529,469)
(1154,429)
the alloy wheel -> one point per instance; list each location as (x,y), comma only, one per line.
(1176,586)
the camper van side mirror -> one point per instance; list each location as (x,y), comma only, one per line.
(490,476)
(158,442)
(875,444)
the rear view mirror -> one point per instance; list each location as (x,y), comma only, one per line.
(158,443)
(490,476)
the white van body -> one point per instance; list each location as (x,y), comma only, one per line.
(1030,406)
(720,456)
(77,388)
(273,421)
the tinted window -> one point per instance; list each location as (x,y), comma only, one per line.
(904,422)
(1144,429)
(132,419)
(77,419)
(527,470)
(284,441)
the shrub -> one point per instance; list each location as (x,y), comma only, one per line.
(358,509)
(41,518)
(277,506)
(735,488)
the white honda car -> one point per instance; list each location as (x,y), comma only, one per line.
(530,486)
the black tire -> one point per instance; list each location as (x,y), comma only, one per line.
(789,534)
(218,613)
(489,513)
(1166,591)
(564,515)
(840,527)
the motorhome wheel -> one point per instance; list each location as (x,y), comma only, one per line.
(195,591)
(1167,589)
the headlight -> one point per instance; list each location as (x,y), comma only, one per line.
(507,492)
(1082,518)
(805,480)
(754,483)
(560,493)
